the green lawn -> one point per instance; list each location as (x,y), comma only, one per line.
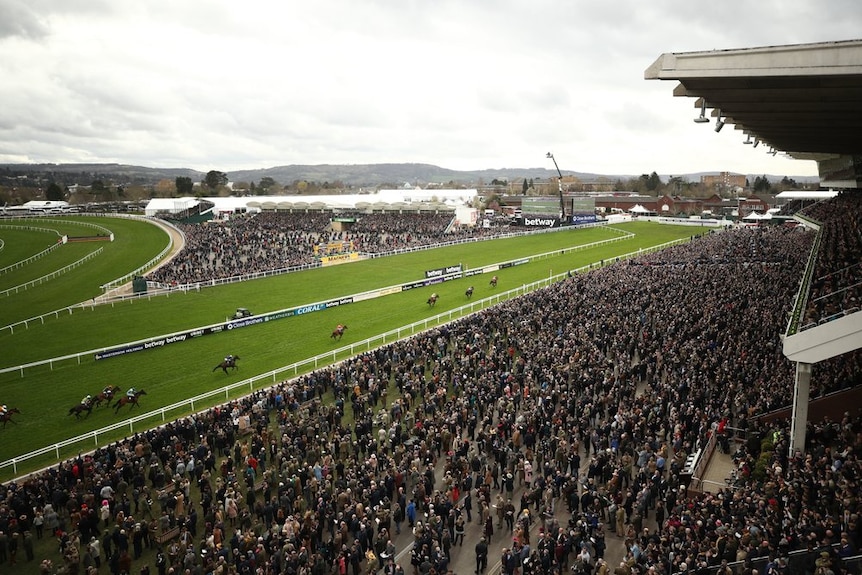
(183,370)
(53,261)
(20,244)
(135,243)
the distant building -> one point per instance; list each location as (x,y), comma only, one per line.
(664,205)
(723,181)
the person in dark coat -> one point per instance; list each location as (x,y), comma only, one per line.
(481,556)
(489,527)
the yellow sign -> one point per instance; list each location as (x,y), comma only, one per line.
(339,259)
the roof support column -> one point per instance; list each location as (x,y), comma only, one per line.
(799,418)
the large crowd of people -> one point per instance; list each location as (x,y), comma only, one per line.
(836,286)
(270,241)
(585,396)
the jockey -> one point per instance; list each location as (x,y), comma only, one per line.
(108,390)
(228,358)
(339,328)
(87,399)
(3,409)
(434,295)
(131,393)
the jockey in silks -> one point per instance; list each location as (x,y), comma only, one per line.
(87,399)
(228,358)
(108,391)
(339,328)
(3,410)
(131,393)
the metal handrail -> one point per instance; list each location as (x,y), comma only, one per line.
(797,313)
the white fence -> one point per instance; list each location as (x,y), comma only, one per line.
(32,258)
(140,423)
(54,274)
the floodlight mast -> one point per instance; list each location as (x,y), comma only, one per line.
(560,184)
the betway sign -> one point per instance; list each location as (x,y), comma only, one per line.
(440,272)
(539,222)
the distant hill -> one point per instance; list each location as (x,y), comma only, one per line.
(393,174)
(354,175)
(85,174)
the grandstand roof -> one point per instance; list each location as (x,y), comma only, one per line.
(383,199)
(806,195)
(801,99)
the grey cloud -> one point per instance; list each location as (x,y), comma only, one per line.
(17,19)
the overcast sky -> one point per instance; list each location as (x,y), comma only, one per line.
(462,84)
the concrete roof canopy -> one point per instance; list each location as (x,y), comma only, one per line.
(802,99)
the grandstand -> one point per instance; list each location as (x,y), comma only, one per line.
(735,83)
(280,241)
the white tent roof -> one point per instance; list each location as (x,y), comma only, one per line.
(639,209)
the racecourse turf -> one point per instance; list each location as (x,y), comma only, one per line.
(135,243)
(182,370)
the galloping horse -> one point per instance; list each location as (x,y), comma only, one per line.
(338,332)
(82,408)
(7,417)
(432,300)
(125,400)
(228,363)
(106,396)
(493,282)
(469,292)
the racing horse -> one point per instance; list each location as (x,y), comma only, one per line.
(228,363)
(469,292)
(338,332)
(126,400)
(432,301)
(82,408)
(7,417)
(493,282)
(106,396)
